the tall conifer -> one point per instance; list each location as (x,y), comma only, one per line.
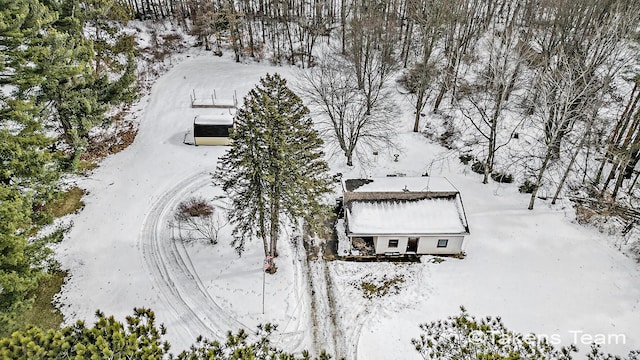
(275,165)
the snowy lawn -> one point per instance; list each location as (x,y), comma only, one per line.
(120,251)
(537,269)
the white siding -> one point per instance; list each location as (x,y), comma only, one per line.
(429,244)
(426,244)
(382,244)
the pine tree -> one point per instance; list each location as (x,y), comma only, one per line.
(28,174)
(139,338)
(275,165)
(465,337)
(82,84)
(17,277)
(27,181)
(106,339)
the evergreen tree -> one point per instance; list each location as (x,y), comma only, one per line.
(17,277)
(106,339)
(237,347)
(275,165)
(463,337)
(27,173)
(27,181)
(139,338)
(90,72)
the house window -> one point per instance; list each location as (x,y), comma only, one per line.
(442,243)
(393,243)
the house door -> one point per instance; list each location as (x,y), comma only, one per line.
(412,245)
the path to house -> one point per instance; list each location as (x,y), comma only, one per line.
(326,332)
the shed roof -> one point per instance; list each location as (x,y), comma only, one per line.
(223,118)
(399,184)
(410,217)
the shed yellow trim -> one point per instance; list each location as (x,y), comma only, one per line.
(215,141)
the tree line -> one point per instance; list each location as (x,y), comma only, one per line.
(63,66)
(564,73)
(460,337)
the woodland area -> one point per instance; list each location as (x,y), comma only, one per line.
(545,93)
(563,74)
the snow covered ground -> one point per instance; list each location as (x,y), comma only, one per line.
(538,269)
(120,251)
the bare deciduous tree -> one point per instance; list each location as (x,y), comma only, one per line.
(485,100)
(354,121)
(565,98)
(429,17)
(462,29)
(577,70)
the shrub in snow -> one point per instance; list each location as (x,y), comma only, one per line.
(632,240)
(478,167)
(449,136)
(195,207)
(465,158)
(502,177)
(381,287)
(527,187)
(196,219)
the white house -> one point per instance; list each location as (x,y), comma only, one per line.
(404,215)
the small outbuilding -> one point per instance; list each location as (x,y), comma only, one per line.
(213,129)
(396,216)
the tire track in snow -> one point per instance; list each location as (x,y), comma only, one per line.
(327,332)
(173,273)
(297,327)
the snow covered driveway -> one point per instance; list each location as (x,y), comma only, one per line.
(119,250)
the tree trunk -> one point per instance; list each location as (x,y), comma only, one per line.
(419,105)
(349,155)
(624,147)
(622,123)
(343,23)
(571,162)
(545,163)
(633,183)
(292,57)
(619,181)
(485,175)
(275,221)
(406,45)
